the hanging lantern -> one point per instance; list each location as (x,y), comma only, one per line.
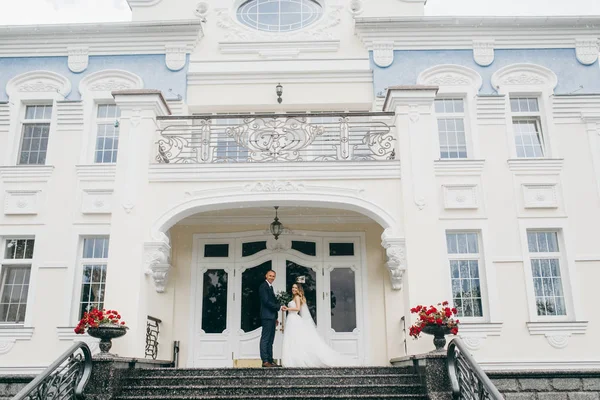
(276,227)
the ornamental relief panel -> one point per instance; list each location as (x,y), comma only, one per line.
(21,202)
(586,50)
(483,52)
(78,58)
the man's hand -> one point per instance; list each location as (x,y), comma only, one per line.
(276,323)
(284,308)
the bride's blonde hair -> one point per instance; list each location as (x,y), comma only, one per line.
(300,292)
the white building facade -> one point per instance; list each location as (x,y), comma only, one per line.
(412,159)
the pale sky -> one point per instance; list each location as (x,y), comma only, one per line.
(23,12)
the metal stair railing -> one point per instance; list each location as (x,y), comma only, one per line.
(468,380)
(64,379)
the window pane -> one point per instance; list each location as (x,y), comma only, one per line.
(34,143)
(251,248)
(528,137)
(308,248)
(252,278)
(107,143)
(279,15)
(341,249)
(13,293)
(464,274)
(214,301)
(295,273)
(216,250)
(95,247)
(93,287)
(547,284)
(343,300)
(19,249)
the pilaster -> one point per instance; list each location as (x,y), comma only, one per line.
(126,288)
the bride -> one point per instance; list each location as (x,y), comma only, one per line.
(302,345)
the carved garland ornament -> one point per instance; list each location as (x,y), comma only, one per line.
(157,259)
(395,249)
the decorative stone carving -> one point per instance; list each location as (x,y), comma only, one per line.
(78,58)
(586,50)
(6,346)
(460,196)
(383,53)
(395,249)
(157,258)
(450,75)
(274,186)
(109,80)
(558,341)
(356,7)
(21,202)
(540,195)
(201,10)
(524,75)
(39,82)
(175,56)
(483,52)
(96,201)
(321,30)
(282,244)
(472,342)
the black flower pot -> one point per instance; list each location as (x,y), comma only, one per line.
(106,333)
(439,333)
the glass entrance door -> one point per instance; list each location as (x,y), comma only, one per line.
(229,327)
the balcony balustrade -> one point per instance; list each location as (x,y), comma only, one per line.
(246,138)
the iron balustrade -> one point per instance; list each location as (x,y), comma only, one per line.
(468,380)
(64,379)
(152,331)
(236,138)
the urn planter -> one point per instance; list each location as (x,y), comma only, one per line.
(439,333)
(106,333)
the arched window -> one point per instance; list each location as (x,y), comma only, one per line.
(279,15)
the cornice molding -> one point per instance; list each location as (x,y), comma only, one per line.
(260,171)
(98,39)
(535,166)
(26,173)
(459,32)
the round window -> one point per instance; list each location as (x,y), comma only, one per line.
(279,15)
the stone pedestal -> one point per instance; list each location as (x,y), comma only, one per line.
(433,370)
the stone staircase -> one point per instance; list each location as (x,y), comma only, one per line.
(273,383)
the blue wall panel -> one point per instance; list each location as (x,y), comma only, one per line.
(571,74)
(151,68)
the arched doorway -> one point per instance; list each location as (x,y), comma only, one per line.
(228,268)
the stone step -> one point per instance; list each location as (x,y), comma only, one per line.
(271,372)
(299,380)
(281,397)
(290,390)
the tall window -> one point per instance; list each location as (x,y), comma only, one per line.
(94,260)
(527,127)
(36,129)
(464,257)
(15,273)
(107,133)
(544,254)
(451,127)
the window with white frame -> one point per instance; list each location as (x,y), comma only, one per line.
(107,133)
(450,115)
(527,127)
(465,257)
(544,254)
(15,272)
(34,138)
(94,260)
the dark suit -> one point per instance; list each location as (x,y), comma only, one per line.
(269,307)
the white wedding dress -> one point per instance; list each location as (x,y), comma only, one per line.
(302,344)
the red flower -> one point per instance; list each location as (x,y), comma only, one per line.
(454,331)
(445,303)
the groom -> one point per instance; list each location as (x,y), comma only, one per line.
(269,307)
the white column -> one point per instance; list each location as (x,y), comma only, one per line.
(416,126)
(126,289)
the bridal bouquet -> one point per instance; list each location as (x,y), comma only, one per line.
(440,316)
(284,298)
